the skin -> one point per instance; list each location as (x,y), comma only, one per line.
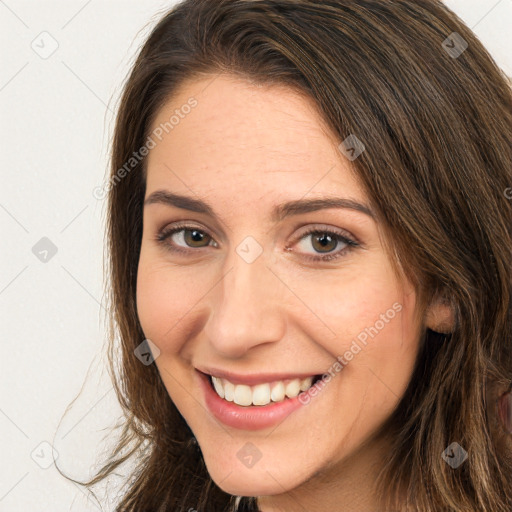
(245,149)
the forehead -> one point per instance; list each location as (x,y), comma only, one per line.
(239,136)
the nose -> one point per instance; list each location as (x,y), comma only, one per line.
(246,308)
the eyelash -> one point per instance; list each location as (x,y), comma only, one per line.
(165,233)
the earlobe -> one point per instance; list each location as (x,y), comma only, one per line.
(440,317)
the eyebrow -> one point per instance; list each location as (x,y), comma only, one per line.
(295,207)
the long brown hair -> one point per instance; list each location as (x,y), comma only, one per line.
(437,128)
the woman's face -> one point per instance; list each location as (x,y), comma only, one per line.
(245,292)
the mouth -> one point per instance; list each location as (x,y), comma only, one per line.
(263,394)
(259,406)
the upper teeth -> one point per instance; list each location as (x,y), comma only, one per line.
(261,394)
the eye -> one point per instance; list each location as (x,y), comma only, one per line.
(182,238)
(325,242)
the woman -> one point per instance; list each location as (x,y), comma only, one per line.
(310,260)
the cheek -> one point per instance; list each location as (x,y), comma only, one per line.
(362,304)
(371,328)
(169,300)
(353,302)
(164,297)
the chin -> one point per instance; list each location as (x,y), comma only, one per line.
(251,486)
(255,481)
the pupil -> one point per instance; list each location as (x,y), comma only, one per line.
(325,240)
(193,236)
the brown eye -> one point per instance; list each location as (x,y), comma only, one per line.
(181,238)
(194,237)
(324,242)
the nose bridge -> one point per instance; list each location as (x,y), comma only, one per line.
(245,308)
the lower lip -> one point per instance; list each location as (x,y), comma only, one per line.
(254,417)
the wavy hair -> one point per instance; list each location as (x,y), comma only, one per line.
(437,127)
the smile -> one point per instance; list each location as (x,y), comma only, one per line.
(257,406)
(261,394)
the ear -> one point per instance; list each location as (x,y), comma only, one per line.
(440,316)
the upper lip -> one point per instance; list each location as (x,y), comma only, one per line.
(252,379)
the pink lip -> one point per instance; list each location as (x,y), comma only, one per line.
(254,417)
(253,379)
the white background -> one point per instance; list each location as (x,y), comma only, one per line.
(57,117)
